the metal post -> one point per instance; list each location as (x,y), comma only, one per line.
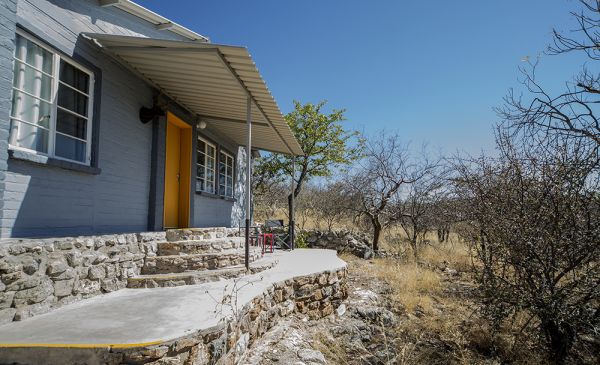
(248,179)
(293,206)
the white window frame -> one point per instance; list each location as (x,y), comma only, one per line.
(56,58)
(206,169)
(227,155)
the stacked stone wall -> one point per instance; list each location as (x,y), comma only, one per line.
(342,241)
(315,296)
(39,275)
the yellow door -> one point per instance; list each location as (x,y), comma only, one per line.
(177,173)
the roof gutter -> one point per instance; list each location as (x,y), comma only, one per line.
(160,22)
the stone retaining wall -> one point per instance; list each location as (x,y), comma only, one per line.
(37,275)
(315,296)
(341,241)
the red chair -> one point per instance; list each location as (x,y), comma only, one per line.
(264,237)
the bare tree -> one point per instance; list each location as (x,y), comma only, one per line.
(534,216)
(571,114)
(378,179)
(416,209)
(330,203)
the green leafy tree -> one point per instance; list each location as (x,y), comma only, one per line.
(327,147)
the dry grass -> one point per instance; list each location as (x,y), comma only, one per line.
(441,318)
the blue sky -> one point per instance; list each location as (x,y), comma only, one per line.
(431,70)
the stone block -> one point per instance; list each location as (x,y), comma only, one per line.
(317,295)
(34,295)
(87,287)
(12,277)
(74,258)
(64,245)
(109,285)
(68,274)
(278,296)
(97,272)
(56,265)
(82,272)
(24,282)
(7,315)
(63,288)
(305,291)
(6,299)
(29,264)
(35,309)
(10,264)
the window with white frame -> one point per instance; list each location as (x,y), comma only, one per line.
(206,157)
(51,103)
(225,174)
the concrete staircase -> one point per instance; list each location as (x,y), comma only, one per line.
(198,255)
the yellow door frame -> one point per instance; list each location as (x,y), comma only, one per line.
(178,173)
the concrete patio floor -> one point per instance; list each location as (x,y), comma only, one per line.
(134,317)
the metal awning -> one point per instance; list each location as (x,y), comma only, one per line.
(213,82)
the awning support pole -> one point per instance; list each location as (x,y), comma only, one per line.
(293,206)
(248,180)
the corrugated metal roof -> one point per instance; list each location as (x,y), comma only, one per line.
(210,80)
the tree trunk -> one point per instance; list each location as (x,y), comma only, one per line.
(560,340)
(376,234)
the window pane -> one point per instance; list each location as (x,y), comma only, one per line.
(200,171)
(72,100)
(30,109)
(34,82)
(74,77)
(70,148)
(70,124)
(28,136)
(33,55)
(222,168)
(200,159)
(229,181)
(229,191)
(200,185)
(210,163)
(201,146)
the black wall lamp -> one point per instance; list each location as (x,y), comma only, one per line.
(147,114)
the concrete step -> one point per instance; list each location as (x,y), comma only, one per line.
(186,234)
(199,277)
(200,246)
(204,261)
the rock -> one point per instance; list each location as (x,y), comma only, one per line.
(9,265)
(109,285)
(450,271)
(34,295)
(32,310)
(87,287)
(74,258)
(341,310)
(6,299)
(26,282)
(63,288)
(56,265)
(30,265)
(7,315)
(310,355)
(97,272)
